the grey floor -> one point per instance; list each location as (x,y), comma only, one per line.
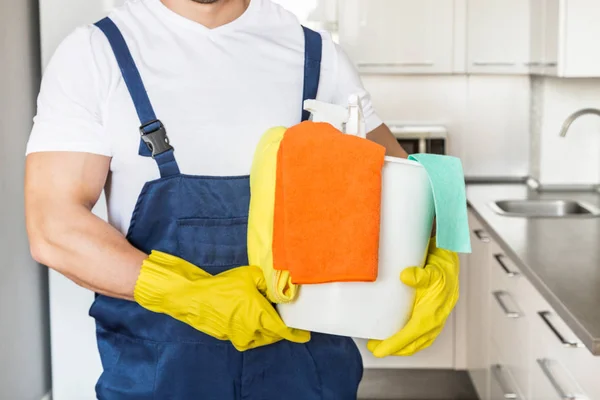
(416,385)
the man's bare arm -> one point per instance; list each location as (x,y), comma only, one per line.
(383,136)
(60,190)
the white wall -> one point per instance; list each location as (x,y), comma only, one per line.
(487,116)
(24,333)
(576,158)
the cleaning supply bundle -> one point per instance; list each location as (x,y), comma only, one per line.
(333,223)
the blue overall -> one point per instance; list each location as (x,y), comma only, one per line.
(204,220)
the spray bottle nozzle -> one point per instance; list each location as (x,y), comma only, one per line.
(349,120)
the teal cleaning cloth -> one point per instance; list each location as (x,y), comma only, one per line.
(448,185)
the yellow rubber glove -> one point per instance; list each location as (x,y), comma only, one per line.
(436,295)
(229,306)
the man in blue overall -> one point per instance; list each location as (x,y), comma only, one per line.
(161,105)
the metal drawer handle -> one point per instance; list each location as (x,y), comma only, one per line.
(539,64)
(398,64)
(544,364)
(481,235)
(493,64)
(499,258)
(509,314)
(497,373)
(544,315)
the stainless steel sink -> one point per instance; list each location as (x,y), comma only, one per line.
(545,209)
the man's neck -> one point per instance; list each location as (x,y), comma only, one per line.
(210,15)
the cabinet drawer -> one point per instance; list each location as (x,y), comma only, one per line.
(543,384)
(502,379)
(509,323)
(552,377)
(510,333)
(563,358)
(504,273)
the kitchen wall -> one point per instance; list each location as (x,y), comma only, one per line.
(487,116)
(576,158)
(24,328)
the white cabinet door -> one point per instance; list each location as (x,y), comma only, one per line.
(498,36)
(562,36)
(537,40)
(580,39)
(545,30)
(478,309)
(552,32)
(398,36)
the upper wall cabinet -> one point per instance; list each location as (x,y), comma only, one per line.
(564,37)
(547,37)
(546,30)
(398,36)
(498,36)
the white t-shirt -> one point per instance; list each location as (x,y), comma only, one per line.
(215,90)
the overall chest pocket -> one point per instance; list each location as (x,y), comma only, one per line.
(214,244)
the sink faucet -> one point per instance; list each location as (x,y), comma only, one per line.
(567,124)
(574,116)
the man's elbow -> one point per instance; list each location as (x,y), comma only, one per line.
(42,243)
(39,247)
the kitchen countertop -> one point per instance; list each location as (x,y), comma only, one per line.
(560,256)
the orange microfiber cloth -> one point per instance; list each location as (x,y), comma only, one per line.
(327,205)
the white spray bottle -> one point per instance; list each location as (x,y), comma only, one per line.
(349,120)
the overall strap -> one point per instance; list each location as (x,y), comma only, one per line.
(313,49)
(154,141)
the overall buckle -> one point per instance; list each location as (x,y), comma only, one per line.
(156,140)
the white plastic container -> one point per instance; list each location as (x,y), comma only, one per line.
(376,310)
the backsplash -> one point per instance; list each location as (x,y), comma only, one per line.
(574,159)
(487,116)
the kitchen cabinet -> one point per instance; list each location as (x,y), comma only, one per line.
(537,33)
(578,34)
(562,36)
(544,39)
(530,352)
(502,381)
(551,25)
(509,325)
(550,380)
(559,363)
(477,308)
(541,386)
(398,36)
(498,36)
